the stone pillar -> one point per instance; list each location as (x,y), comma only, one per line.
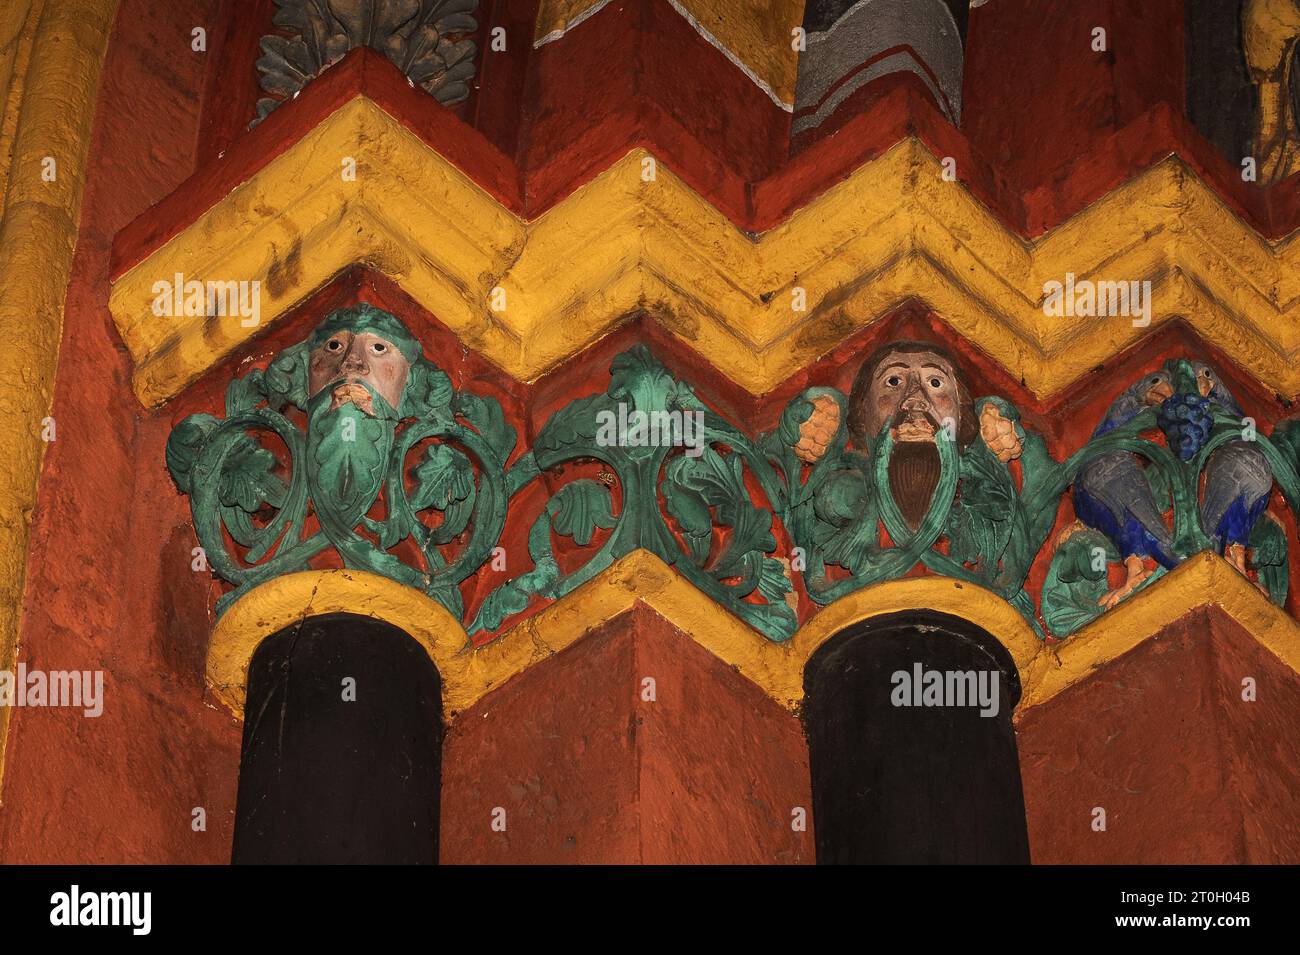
(911,746)
(342,751)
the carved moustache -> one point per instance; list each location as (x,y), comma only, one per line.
(354,392)
(918,425)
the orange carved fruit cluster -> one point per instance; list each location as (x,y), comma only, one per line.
(816,433)
(999,434)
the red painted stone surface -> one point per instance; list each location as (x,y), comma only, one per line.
(609,85)
(109,585)
(1034,80)
(1261,741)
(587,771)
(1186,770)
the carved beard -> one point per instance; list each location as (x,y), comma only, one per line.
(348,450)
(913,476)
(914,469)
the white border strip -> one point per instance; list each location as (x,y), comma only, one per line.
(771,94)
(591,11)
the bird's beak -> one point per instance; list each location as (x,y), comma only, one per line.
(1205,385)
(1159,393)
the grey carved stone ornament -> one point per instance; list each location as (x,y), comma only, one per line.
(850,44)
(425,39)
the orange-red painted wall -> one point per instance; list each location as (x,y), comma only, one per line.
(1186,770)
(108,584)
(589,770)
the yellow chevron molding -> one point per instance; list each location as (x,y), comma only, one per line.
(50,59)
(755,35)
(777,668)
(1203,580)
(892,231)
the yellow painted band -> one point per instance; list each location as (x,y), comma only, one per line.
(50,59)
(469,675)
(957,598)
(293,597)
(51,83)
(892,231)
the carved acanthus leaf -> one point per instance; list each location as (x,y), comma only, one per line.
(423,38)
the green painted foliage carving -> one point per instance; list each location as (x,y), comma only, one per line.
(658,441)
(419,492)
(287,474)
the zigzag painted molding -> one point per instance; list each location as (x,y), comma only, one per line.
(893,230)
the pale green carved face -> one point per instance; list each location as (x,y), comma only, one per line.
(348,361)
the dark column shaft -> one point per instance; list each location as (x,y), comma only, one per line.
(1220,96)
(327,780)
(912,784)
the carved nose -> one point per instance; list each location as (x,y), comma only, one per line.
(915,400)
(355,361)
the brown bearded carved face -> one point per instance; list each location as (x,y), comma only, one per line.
(914,389)
(347,361)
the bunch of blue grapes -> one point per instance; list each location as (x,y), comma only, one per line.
(1186,421)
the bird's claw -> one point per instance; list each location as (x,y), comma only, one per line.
(1136,574)
(1235,554)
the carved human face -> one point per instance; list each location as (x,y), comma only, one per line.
(915,393)
(348,360)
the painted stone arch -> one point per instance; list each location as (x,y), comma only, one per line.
(341,680)
(851,43)
(911,747)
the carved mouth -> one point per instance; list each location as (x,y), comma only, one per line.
(916,426)
(355,392)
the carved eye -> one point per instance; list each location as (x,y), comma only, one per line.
(893,381)
(334,345)
(936,382)
(378,347)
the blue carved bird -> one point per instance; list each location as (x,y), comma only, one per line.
(1112,494)
(1238,479)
